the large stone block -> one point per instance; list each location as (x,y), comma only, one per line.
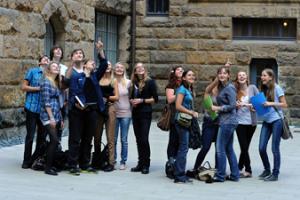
(199,33)
(293,101)
(12,136)
(121,7)
(168,32)
(161,71)
(236,46)
(142,21)
(75,9)
(28,48)
(290,59)
(208,22)
(223,33)
(196,57)
(1,46)
(211,45)
(142,32)
(142,56)
(11,71)
(73,31)
(295,113)
(291,85)
(12,117)
(7,20)
(87,32)
(24,5)
(264,50)
(167,57)
(38,5)
(149,44)
(161,85)
(243,58)
(178,44)
(185,21)
(11,96)
(219,58)
(289,71)
(175,11)
(178,2)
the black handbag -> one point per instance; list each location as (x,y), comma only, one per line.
(100,159)
(286,132)
(195,137)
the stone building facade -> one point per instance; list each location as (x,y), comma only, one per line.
(22,41)
(197,34)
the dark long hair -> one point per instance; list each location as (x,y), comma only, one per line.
(227,70)
(268,89)
(173,80)
(52,52)
(185,83)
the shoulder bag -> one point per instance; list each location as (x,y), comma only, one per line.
(165,117)
(286,132)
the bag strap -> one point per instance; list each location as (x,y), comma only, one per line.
(208,164)
(277,111)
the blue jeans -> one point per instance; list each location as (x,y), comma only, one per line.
(123,124)
(180,163)
(274,128)
(225,148)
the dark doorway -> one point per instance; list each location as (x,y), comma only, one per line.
(257,65)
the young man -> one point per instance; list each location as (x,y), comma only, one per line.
(31,85)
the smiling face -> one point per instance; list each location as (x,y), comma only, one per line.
(44,61)
(189,77)
(77,55)
(223,75)
(266,77)
(178,72)
(53,68)
(119,69)
(242,78)
(139,69)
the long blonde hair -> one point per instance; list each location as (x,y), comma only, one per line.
(135,80)
(47,75)
(124,78)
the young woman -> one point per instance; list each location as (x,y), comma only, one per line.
(32,107)
(83,89)
(50,112)
(109,88)
(143,94)
(174,82)
(226,109)
(272,124)
(183,104)
(246,120)
(123,112)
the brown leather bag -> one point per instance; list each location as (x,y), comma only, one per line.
(165,118)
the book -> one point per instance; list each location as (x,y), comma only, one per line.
(84,105)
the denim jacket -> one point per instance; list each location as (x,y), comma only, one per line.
(227,100)
(76,85)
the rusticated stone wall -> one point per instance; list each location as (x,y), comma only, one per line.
(22,31)
(197,34)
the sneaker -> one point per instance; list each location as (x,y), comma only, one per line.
(122,167)
(230,178)
(264,174)
(178,181)
(138,168)
(246,175)
(74,171)
(109,168)
(89,170)
(51,172)
(271,178)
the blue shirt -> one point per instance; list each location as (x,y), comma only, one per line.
(227,100)
(33,100)
(49,98)
(187,97)
(272,115)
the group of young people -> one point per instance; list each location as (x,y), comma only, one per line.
(97,97)
(231,103)
(94,98)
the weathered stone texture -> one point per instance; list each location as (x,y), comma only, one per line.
(11,96)
(167,57)
(12,117)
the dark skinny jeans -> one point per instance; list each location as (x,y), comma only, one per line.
(209,135)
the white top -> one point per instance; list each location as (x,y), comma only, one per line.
(123,108)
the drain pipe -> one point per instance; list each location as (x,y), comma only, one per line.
(133,35)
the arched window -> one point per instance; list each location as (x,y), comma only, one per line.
(49,39)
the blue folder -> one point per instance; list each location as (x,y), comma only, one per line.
(257,102)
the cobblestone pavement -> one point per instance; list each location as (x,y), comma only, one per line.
(20,184)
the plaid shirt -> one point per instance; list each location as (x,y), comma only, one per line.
(33,100)
(49,98)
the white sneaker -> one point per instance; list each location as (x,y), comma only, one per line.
(122,167)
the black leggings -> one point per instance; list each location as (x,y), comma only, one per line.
(50,154)
(245,133)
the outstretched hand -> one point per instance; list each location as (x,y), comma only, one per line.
(99,45)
